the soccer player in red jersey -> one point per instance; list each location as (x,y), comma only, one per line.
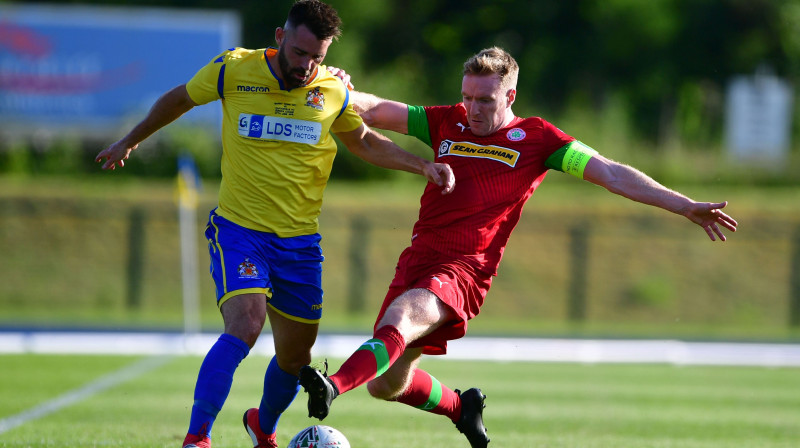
(441,280)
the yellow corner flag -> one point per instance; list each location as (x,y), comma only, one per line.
(188,182)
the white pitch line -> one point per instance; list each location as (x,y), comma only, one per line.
(474,348)
(125,374)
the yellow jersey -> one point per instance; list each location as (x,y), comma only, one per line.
(277,147)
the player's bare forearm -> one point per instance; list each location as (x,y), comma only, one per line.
(381,151)
(381,113)
(364,103)
(168,108)
(635,185)
(375,111)
(631,183)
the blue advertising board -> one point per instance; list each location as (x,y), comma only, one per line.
(67,68)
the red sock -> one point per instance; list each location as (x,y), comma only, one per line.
(371,359)
(428,394)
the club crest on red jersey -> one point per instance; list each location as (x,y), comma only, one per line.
(515,134)
(315,99)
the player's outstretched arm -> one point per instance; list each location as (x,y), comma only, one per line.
(380,151)
(166,109)
(375,111)
(381,113)
(633,184)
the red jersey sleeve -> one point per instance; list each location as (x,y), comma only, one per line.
(553,138)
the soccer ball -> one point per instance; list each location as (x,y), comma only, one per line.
(319,436)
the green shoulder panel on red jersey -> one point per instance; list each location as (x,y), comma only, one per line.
(571,158)
(418,124)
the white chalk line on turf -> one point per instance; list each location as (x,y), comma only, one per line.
(123,375)
(590,351)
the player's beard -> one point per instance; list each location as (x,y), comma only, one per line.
(288,72)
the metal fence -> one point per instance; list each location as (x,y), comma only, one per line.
(118,263)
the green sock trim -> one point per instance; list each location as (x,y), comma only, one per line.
(378,349)
(434,398)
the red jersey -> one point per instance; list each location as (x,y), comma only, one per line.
(495,176)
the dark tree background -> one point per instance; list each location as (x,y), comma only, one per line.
(662,56)
(665,64)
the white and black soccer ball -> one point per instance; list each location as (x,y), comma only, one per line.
(319,436)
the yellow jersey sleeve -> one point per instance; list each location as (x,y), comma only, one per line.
(348,120)
(207,84)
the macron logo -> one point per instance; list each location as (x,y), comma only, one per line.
(252,89)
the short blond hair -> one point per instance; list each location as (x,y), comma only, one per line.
(494,60)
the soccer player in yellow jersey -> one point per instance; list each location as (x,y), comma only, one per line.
(280,106)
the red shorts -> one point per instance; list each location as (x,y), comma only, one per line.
(461,288)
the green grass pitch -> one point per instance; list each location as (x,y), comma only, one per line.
(528,405)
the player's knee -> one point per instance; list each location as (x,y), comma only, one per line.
(411,324)
(247,330)
(401,316)
(395,316)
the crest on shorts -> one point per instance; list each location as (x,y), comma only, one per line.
(315,98)
(247,269)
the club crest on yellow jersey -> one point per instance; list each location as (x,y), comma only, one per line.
(315,99)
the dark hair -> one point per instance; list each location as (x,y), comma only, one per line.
(320,18)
